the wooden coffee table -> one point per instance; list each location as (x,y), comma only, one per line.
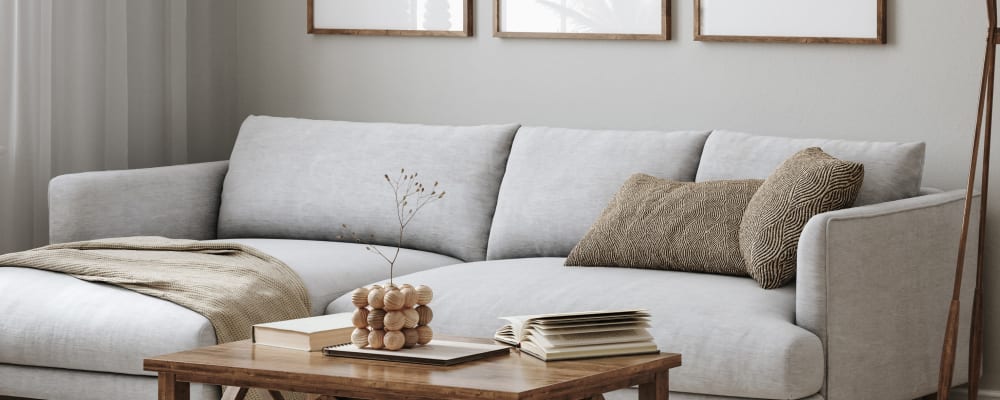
(243,365)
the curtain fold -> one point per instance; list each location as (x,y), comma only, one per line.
(89,85)
(25,110)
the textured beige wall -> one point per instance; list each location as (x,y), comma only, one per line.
(921,86)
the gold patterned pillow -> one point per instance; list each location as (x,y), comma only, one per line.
(808,183)
(654,223)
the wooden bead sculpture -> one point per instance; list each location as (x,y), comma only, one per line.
(360,337)
(394,320)
(360,318)
(391,317)
(394,300)
(376,319)
(394,340)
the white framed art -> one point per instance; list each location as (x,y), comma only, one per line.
(390,17)
(800,21)
(582,19)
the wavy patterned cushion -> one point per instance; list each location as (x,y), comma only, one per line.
(661,224)
(809,183)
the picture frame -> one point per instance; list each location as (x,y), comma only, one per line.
(792,21)
(436,18)
(582,19)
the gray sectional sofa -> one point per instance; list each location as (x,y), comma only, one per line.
(864,319)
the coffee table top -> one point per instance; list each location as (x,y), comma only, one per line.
(514,376)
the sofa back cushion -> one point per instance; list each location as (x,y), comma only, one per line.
(892,170)
(558,182)
(304,179)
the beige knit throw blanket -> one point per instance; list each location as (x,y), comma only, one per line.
(232,285)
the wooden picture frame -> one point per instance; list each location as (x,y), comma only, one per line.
(868,26)
(319,19)
(662,17)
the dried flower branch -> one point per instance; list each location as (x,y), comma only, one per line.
(410,196)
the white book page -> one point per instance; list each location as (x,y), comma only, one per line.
(312,324)
(588,339)
(628,326)
(518,323)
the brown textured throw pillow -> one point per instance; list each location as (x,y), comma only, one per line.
(654,223)
(808,183)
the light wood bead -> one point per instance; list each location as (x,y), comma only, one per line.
(374,286)
(394,340)
(394,300)
(425,315)
(424,295)
(376,318)
(376,339)
(405,285)
(360,297)
(375,298)
(360,318)
(409,297)
(424,334)
(412,318)
(411,338)
(360,337)
(394,320)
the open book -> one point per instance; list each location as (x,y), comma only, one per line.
(580,334)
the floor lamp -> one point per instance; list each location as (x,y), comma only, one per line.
(984,127)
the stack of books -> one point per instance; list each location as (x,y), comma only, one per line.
(575,335)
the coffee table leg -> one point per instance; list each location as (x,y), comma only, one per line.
(658,389)
(172,389)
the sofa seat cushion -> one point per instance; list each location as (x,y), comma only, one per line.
(55,320)
(330,269)
(49,319)
(736,338)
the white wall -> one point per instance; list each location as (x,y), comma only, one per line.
(922,86)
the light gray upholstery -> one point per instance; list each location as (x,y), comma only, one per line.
(874,282)
(179,201)
(303,179)
(736,338)
(559,180)
(331,269)
(64,384)
(892,170)
(864,320)
(55,320)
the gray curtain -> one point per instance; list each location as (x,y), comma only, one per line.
(104,84)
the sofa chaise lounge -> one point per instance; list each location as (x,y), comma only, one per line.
(863,320)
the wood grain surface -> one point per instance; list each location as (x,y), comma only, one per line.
(513,376)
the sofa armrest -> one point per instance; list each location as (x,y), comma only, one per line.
(874,283)
(179,201)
